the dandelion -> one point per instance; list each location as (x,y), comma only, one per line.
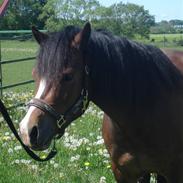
(17,161)
(100,114)
(87,164)
(52,162)
(99,137)
(24,161)
(108,166)
(10,150)
(1,119)
(88,148)
(7,134)
(105,153)
(61,175)
(17,148)
(102,179)
(100,151)
(66,134)
(99,142)
(75,158)
(91,134)
(73,124)
(55,165)
(34,167)
(106,161)
(43,156)
(4,144)
(16,121)
(6,138)
(73,143)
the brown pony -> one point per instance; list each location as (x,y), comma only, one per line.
(136,85)
(108,131)
(176,57)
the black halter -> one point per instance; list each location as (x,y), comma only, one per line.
(63,120)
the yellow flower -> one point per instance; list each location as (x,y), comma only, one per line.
(6,138)
(61,175)
(43,156)
(108,166)
(86,163)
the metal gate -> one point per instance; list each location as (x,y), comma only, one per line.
(4,35)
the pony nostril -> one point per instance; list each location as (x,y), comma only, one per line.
(34,135)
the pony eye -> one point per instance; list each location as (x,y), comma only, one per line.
(67,77)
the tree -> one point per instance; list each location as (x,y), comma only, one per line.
(23,14)
(177,25)
(59,13)
(163,27)
(122,19)
(130,20)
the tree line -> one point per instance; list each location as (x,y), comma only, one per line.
(122,19)
(169,27)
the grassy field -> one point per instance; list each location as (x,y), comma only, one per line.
(18,72)
(170,37)
(163,40)
(82,157)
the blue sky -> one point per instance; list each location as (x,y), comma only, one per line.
(161,9)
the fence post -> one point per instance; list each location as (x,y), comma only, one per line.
(1,79)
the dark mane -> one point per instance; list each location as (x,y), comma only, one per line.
(127,71)
(55,52)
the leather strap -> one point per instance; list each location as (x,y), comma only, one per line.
(7,118)
(44,107)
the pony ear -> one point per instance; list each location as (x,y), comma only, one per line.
(39,36)
(81,39)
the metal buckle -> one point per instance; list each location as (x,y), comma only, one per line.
(61,121)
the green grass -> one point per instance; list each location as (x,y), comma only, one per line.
(89,168)
(163,40)
(170,37)
(160,36)
(1,1)
(18,72)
